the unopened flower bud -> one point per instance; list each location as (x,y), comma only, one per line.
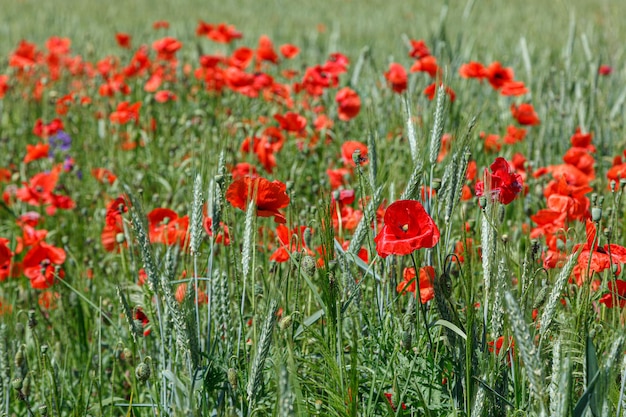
(120,238)
(17,384)
(307,264)
(142,372)
(436,185)
(19,357)
(482,202)
(231,374)
(596,214)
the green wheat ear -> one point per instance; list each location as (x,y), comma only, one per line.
(527,349)
(263,348)
(196,230)
(437,132)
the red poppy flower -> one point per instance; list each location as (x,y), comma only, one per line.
(427,277)
(46,130)
(140,316)
(243,169)
(164,226)
(289,51)
(498,76)
(288,243)
(525,114)
(472,70)
(265,50)
(39,189)
(42,264)
(161,24)
(513,88)
(123,40)
(349,103)
(25,55)
(114,224)
(397,77)
(241,58)
(103,175)
(224,237)
(5,259)
(514,135)
(347,152)
(221,33)
(407,227)
(338,177)
(37,151)
(503,183)
(426,64)
(4,85)
(605,70)
(268,196)
(164,96)
(291,122)
(5,175)
(616,295)
(492,142)
(418,49)
(166,48)
(125,112)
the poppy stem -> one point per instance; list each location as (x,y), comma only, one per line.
(418,295)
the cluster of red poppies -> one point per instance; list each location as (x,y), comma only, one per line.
(298,116)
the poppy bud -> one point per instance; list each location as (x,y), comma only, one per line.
(120,238)
(19,357)
(26,386)
(142,372)
(231,374)
(44,349)
(308,266)
(482,202)
(17,384)
(501,214)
